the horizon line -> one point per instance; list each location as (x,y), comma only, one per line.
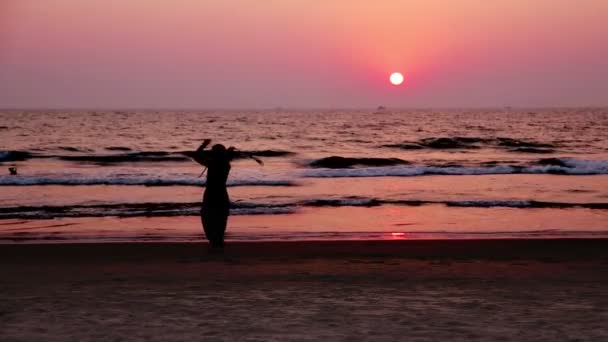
(297,108)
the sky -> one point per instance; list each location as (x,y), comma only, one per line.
(237,54)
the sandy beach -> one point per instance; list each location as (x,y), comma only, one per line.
(333,290)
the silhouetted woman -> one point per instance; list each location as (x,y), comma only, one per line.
(216,203)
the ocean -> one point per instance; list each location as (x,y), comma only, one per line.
(328,174)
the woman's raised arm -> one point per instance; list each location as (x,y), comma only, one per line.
(200,155)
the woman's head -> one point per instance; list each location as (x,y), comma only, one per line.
(218,149)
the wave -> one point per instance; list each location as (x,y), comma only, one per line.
(128,157)
(577,165)
(561,166)
(71,149)
(533,150)
(372,202)
(564,166)
(23,180)
(269,153)
(510,142)
(9,156)
(149,156)
(168,209)
(337,162)
(118,148)
(135,210)
(449,143)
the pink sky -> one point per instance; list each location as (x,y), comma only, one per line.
(302,53)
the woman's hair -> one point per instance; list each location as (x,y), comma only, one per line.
(218,148)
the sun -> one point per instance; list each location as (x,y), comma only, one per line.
(396,78)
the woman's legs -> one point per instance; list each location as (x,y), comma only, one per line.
(214,221)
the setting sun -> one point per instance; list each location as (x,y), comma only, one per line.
(396,78)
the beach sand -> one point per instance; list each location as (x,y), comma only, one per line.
(488,290)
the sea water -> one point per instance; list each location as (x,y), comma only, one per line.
(327,174)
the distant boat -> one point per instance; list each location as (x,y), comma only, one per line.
(381,110)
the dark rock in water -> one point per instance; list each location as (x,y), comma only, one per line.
(12,170)
(509,142)
(532,150)
(336,162)
(553,162)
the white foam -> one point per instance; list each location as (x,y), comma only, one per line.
(573,167)
(589,166)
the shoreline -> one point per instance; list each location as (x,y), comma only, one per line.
(490,249)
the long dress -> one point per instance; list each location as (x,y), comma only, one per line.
(216,203)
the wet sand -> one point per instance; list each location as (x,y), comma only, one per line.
(332,290)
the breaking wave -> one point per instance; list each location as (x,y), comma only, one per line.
(126,157)
(340,168)
(23,180)
(564,166)
(372,202)
(169,209)
(136,210)
(450,143)
(337,162)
